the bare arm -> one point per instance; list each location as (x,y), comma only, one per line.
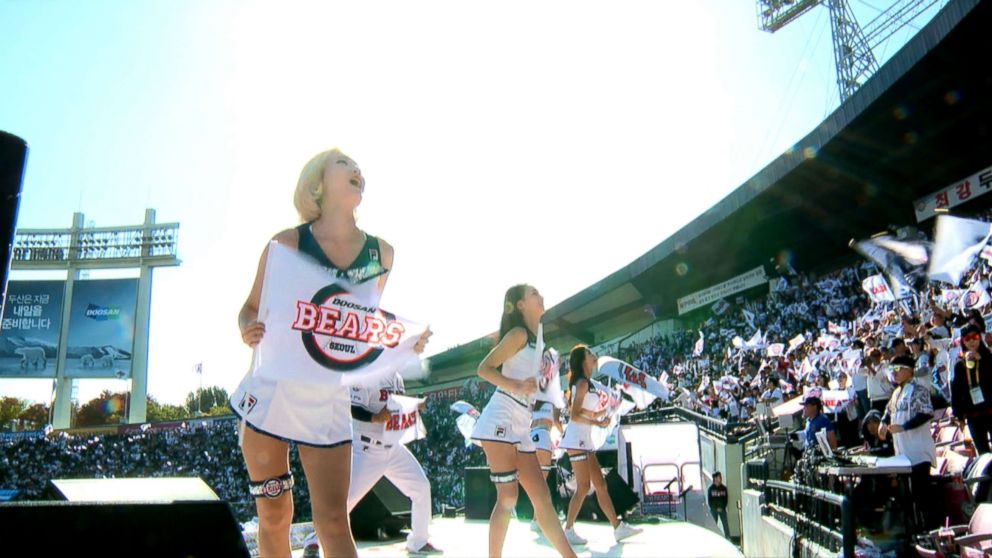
(509,345)
(251,329)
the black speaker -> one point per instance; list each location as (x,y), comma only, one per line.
(384,508)
(480,493)
(624,499)
(179,529)
(13,155)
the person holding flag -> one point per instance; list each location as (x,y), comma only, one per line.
(503,427)
(314,416)
(377,450)
(587,411)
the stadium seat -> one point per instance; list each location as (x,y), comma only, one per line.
(977,534)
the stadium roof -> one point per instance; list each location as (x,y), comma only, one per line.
(921,123)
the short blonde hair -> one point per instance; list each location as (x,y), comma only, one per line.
(309,188)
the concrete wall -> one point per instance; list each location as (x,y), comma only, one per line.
(717,455)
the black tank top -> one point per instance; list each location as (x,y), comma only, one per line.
(365,267)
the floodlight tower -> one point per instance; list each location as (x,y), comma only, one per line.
(853,45)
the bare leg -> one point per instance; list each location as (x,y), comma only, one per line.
(581,471)
(328,473)
(595,473)
(266,458)
(544,460)
(502,458)
(537,490)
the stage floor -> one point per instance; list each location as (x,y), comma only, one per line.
(459,538)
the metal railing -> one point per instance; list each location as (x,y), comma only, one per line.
(730,431)
(816,516)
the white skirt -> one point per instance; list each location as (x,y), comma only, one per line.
(507,420)
(311,414)
(577,437)
(542,439)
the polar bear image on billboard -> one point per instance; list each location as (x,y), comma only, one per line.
(32,357)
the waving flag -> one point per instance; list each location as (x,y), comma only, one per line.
(835,329)
(466,424)
(795,342)
(463,407)
(748,317)
(957,242)
(322,329)
(900,262)
(878,289)
(641,387)
(404,424)
(698,349)
(775,350)
(756,341)
(615,406)
(976,296)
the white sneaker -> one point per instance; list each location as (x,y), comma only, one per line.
(624,531)
(574,538)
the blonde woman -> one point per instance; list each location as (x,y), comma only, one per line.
(316,417)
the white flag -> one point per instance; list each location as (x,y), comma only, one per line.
(466,424)
(720,306)
(775,350)
(404,424)
(835,329)
(615,406)
(878,289)
(641,387)
(748,317)
(463,407)
(976,296)
(755,341)
(549,381)
(795,342)
(957,242)
(698,349)
(321,329)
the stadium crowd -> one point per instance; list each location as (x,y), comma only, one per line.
(748,356)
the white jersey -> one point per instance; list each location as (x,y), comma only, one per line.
(373,399)
(524,364)
(304,412)
(578,435)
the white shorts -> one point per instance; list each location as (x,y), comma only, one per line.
(311,414)
(577,437)
(542,439)
(505,419)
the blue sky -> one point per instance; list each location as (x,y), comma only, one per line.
(500,142)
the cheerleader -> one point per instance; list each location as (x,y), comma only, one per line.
(585,413)
(316,417)
(503,428)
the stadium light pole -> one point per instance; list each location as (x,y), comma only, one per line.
(143,246)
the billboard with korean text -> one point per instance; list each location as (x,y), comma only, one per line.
(29,330)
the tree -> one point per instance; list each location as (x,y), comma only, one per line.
(163,412)
(107,408)
(219,411)
(205,399)
(10,409)
(35,417)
